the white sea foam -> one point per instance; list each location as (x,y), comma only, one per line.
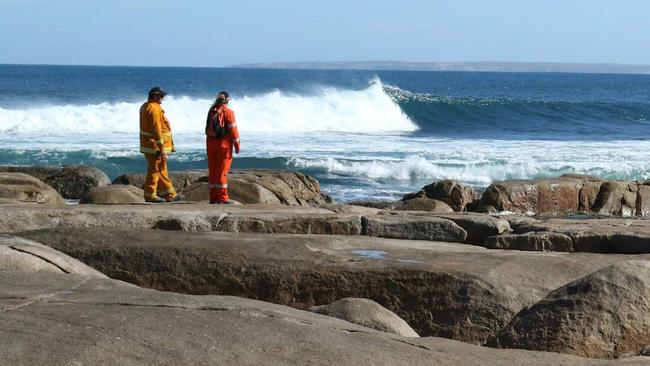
(369,110)
(481,162)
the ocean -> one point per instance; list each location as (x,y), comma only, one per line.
(364,135)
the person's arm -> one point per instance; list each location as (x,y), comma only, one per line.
(232,128)
(157,118)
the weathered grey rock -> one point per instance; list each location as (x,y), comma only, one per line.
(458,291)
(413,227)
(422,204)
(452,192)
(75,180)
(350,209)
(588,195)
(629,236)
(107,322)
(380,205)
(292,224)
(605,314)
(645,351)
(18,254)
(366,313)
(616,198)
(643,201)
(539,241)
(296,219)
(26,188)
(188,221)
(113,194)
(479,227)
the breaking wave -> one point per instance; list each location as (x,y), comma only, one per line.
(370,110)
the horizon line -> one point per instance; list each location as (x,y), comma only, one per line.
(394,65)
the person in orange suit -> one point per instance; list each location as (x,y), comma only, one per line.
(156,143)
(222,137)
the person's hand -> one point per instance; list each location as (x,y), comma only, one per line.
(237,151)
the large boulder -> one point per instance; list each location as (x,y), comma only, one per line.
(367,313)
(478,226)
(180,180)
(291,188)
(449,191)
(413,228)
(239,190)
(643,200)
(567,194)
(605,314)
(264,186)
(113,194)
(26,188)
(422,204)
(76,180)
(542,196)
(616,198)
(41,172)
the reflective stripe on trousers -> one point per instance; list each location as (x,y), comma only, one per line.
(217,186)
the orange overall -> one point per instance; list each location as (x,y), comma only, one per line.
(156,137)
(220,150)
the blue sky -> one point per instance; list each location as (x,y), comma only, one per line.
(217,33)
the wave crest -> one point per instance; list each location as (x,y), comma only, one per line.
(370,110)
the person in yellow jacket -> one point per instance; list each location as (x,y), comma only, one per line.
(156,143)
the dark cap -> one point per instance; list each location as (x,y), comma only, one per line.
(223,97)
(158,91)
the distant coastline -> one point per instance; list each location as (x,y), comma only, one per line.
(587,68)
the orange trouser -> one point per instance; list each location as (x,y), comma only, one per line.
(157,183)
(219,161)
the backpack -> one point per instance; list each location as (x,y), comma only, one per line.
(212,123)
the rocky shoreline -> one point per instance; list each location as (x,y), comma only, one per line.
(476,277)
